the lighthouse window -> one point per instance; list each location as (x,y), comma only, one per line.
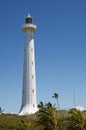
(32,62)
(32,76)
(33,105)
(31,49)
(33,90)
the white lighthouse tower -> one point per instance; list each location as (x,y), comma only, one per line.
(29,105)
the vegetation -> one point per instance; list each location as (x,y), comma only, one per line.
(56,95)
(47,118)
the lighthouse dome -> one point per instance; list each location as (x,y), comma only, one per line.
(28,19)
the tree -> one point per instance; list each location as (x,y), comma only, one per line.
(75,121)
(40,105)
(56,95)
(49,105)
(47,118)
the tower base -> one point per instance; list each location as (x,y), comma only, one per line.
(27,110)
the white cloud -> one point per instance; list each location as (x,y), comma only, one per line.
(80,108)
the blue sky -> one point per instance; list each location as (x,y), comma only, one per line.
(60,48)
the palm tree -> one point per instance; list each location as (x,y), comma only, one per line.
(49,105)
(56,95)
(40,105)
(47,118)
(75,121)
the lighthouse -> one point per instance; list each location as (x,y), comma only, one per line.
(29,105)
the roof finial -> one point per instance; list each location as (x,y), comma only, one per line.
(28,15)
